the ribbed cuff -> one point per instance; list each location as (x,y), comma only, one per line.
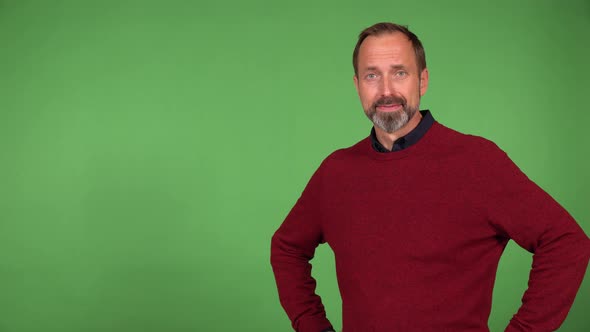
(516,326)
(315,324)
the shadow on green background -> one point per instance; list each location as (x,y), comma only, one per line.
(150,149)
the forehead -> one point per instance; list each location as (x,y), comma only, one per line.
(386,49)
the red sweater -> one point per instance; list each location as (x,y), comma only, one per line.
(417,235)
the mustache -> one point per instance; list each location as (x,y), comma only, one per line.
(388,100)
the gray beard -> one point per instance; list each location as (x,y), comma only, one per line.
(391,121)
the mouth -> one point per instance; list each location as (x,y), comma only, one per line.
(389,107)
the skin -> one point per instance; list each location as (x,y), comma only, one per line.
(387,67)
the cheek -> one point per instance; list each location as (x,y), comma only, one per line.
(367,100)
(367,96)
(411,94)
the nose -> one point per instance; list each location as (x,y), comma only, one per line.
(387,88)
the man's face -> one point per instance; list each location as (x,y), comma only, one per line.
(388,82)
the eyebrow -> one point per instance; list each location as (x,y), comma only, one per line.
(396,67)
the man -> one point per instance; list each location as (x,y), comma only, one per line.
(418,216)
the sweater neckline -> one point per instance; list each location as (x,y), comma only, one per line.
(415,149)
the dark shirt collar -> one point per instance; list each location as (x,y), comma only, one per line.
(410,139)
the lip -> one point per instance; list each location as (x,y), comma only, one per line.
(389,108)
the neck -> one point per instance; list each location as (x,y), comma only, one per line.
(386,139)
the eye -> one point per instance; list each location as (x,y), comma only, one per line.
(401,74)
(371,76)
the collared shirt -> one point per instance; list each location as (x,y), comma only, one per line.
(409,139)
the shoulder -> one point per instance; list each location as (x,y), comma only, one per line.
(462,142)
(477,156)
(354,152)
(344,159)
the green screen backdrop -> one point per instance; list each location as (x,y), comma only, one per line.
(149,150)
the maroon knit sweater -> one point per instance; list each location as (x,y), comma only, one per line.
(417,235)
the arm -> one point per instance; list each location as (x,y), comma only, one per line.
(292,247)
(522,211)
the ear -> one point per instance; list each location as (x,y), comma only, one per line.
(423,82)
(356,83)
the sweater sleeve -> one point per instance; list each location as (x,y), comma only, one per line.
(292,247)
(523,212)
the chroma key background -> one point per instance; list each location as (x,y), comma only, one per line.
(149,149)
